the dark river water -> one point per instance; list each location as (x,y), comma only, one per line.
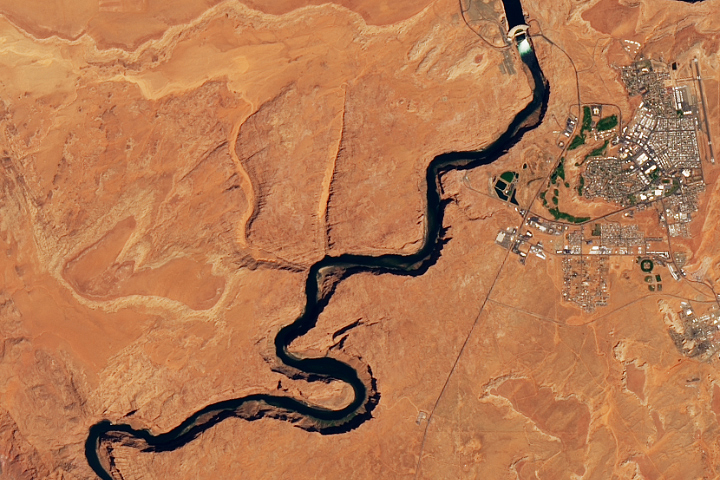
(514,13)
(324,420)
(327,421)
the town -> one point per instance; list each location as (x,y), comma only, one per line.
(657,157)
(655,165)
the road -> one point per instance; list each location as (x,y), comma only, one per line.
(705,115)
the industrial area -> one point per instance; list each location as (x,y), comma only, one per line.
(697,336)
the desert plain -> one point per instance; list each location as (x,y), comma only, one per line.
(171,171)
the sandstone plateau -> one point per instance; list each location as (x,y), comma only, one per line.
(170,172)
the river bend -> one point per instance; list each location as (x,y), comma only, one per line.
(365,396)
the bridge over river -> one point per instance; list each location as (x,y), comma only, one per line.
(515,19)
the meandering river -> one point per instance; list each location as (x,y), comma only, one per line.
(334,269)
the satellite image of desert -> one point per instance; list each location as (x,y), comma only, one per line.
(359,239)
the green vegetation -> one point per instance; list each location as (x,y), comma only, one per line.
(587,120)
(559,172)
(598,151)
(576,142)
(596,230)
(581,186)
(646,265)
(674,188)
(654,283)
(607,123)
(508,176)
(680,113)
(579,139)
(555,212)
(655,174)
(542,196)
(561,168)
(594,153)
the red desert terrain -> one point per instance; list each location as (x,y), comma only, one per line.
(171,171)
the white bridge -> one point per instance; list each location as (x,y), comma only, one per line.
(517,30)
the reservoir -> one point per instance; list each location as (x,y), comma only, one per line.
(514,13)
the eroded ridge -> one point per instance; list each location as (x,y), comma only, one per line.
(320,284)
